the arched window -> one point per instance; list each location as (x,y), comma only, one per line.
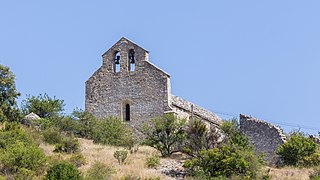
(127,112)
(117,62)
(132,60)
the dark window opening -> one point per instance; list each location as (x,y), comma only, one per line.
(117,62)
(127,112)
(132,60)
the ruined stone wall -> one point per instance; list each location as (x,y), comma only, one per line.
(265,137)
(145,89)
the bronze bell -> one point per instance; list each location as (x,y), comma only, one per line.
(117,59)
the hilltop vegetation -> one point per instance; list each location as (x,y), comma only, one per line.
(80,146)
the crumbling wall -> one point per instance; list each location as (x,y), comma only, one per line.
(265,137)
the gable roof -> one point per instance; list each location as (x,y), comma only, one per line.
(124,40)
(157,68)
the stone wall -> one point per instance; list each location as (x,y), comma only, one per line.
(265,137)
(146,89)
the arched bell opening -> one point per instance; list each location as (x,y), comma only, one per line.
(117,58)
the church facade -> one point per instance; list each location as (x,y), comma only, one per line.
(129,86)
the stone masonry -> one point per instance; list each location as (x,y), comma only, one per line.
(265,137)
(128,86)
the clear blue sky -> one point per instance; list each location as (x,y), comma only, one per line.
(260,58)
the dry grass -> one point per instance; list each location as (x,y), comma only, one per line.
(290,173)
(47,148)
(134,165)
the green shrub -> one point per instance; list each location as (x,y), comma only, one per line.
(20,157)
(43,105)
(77,159)
(52,136)
(34,134)
(79,123)
(23,174)
(12,133)
(41,124)
(63,171)
(113,131)
(299,151)
(312,160)
(153,162)
(120,155)
(225,161)
(165,133)
(234,135)
(86,122)
(19,154)
(99,171)
(235,158)
(199,137)
(66,124)
(68,145)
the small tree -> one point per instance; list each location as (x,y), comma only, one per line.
(234,135)
(199,136)
(80,123)
(66,124)
(165,133)
(298,150)
(43,105)
(86,122)
(8,96)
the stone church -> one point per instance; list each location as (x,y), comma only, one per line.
(129,86)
